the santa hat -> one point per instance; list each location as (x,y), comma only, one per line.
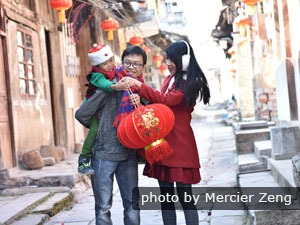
(99,54)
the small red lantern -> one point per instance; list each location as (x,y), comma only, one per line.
(231,51)
(61,6)
(243,20)
(146,127)
(250,2)
(146,49)
(110,26)
(136,40)
(158,59)
(163,68)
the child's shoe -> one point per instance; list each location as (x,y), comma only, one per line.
(84,166)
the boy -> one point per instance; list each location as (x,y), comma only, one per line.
(103,71)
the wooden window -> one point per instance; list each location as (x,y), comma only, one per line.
(26,66)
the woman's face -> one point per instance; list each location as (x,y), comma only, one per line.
(171,66)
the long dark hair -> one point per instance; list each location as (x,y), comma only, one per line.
(196,83)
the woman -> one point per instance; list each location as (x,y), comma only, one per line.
(180,92)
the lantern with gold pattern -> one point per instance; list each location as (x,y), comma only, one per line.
(146,127)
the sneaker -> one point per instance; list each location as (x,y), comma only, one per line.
(84,166)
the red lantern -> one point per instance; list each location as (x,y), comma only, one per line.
(61,6)
(158,59)
(231,51)
(135,40)
(250,2)
(146,127)
(146,49)
(243,20)
(110,26)
(163,68)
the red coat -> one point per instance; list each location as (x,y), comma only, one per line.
(181,138)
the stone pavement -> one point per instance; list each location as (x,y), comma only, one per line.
(216,143)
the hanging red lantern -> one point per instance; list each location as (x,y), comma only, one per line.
(250,2)
(61,6)
(110,26)
(158,59)
(243,21)
(146,49)
(136,40)
(146,127)
(231,51)
(163,68)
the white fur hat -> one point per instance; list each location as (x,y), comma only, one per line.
(99,54)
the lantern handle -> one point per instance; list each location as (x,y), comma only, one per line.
(129,91)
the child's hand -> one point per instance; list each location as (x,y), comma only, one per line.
(119,86)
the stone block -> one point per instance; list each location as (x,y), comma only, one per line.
(285,141)
(33,160)
(245,139)
(263,148)
(296,169)
(251,125)
(62,152)
(49,161)
(51,151)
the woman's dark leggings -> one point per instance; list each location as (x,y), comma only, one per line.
(168,208)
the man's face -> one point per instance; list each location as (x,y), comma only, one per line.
(133,64)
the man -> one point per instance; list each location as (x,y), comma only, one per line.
(110,158)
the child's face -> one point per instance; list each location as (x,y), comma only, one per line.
(108,65)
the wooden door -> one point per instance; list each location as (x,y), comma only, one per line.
(6,155)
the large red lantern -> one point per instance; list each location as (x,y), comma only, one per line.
(146,127)
(136,40)
(110,26)
(61,6)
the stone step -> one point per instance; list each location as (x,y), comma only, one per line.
(14,207)
(37,208)
(263,148)
(282,171)
(54,204)
(250,162)
(245,139)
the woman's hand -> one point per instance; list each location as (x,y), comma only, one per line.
(129,81)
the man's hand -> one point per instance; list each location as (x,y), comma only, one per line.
(136,100)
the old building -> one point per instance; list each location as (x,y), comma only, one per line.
(43,66)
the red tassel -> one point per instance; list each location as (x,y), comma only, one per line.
(157,151)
